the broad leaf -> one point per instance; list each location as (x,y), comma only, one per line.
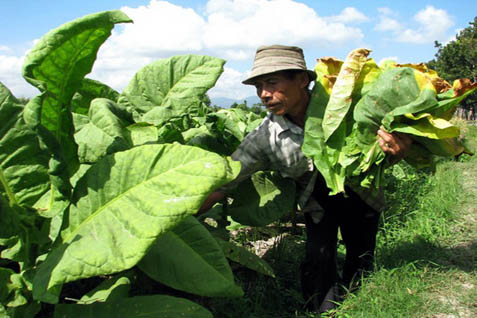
(12,288)
(141,306)
(189,259)
(15,295)
(233,121)
(123,203)
(89,90)
(314,145)
(56,66)
(176,84)
(12,235)
(142,133)
(244,257)
(341,96)
(262,199)
(105,134)
(23,164)
(109,290)
(202,137)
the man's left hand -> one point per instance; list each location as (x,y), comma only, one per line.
(394,144)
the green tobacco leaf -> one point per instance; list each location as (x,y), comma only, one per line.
(177,83)
(314,145)
(63,162)
(142,133)
(89,90)
(202,137)
(141,306)
(15,296)
(111,289)
(11,288)
(106,132)
(21,234)
(123,203)
(442,147)
(262,199)
(169,133)
(12,235)
(80,121)
(189,259)
(23,164)
(233,121)
(398,103)
(244,257)
(425,125)
(56,66)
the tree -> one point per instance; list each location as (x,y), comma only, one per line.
(458,59)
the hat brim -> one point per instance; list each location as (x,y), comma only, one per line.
(251,79)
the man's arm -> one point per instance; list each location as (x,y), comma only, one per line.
(212,199)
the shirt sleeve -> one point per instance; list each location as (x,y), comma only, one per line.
(252,156)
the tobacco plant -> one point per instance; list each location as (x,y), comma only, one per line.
(101,186)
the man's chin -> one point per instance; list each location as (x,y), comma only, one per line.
(275,110)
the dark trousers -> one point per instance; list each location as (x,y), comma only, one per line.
(358,224)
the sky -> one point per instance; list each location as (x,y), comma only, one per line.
(403,30)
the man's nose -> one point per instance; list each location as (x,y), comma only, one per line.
(265,93)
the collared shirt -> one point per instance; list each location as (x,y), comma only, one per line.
(276,145)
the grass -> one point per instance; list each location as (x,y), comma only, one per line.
(420,262)
(426,256)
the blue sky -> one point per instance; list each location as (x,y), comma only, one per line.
(233,29)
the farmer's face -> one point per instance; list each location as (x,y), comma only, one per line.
(281,95)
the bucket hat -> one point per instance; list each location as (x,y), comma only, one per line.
(274,58)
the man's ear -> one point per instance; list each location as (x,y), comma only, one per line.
(304,79)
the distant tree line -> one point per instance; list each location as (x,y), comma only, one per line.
(255,108)
(458,59)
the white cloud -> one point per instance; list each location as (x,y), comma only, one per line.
(350,15)
(433,25)
(4,48)
(160,28)
(10,68)
(229,29)
(388,21)
(388,24)
(246,24)
(228,85)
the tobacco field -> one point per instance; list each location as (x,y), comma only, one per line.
(100,189)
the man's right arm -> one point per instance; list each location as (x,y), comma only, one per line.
(252,159)
(212,199)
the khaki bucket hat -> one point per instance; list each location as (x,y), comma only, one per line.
(274,58)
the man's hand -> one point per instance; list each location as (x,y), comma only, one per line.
(394,144)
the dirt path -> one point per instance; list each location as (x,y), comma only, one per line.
(460,285)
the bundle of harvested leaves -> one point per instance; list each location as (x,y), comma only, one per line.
(351,100)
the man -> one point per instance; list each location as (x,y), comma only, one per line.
(281,79)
